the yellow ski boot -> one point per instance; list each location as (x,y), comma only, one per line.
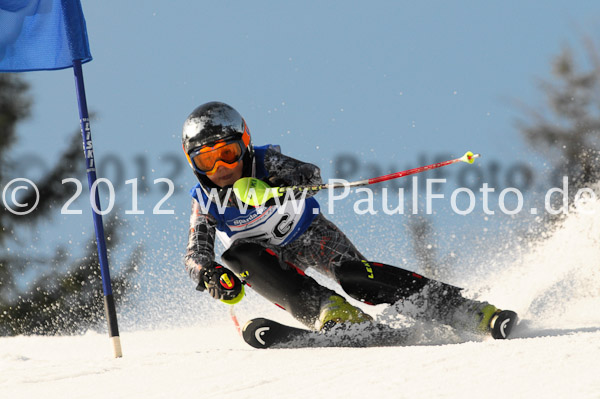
(337,310)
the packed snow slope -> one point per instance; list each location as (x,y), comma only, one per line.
(554,285)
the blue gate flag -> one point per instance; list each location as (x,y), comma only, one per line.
(42,35)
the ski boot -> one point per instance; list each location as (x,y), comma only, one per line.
(336,310)
(471,315)
(460,313)
(483,318)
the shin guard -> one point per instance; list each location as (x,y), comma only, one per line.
(377,283)
(279,282)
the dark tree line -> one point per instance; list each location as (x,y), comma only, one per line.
(64,293)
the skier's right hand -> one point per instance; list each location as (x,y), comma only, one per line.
(221,284)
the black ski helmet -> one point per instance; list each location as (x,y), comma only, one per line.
(212,122)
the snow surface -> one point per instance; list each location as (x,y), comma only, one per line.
(554,352)
(214,363)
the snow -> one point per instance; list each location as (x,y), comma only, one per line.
(212,362)
(554,285)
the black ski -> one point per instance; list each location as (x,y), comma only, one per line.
(265,333)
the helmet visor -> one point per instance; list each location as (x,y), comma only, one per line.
(206,158)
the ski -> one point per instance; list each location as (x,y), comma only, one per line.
(264,333)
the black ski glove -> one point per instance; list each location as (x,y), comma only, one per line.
(221,284)
(305,174)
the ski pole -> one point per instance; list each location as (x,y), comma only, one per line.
(234,318)
(255,192)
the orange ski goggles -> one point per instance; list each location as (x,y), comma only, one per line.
(207,159)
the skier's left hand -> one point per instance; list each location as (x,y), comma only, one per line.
(222,284)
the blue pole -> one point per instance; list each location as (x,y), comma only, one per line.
(84,120)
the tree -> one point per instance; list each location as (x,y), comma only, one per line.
(567,130)
(14,107)
(426,249)
(65,294)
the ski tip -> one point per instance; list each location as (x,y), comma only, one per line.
(263,333)
(256,333)
(503,323)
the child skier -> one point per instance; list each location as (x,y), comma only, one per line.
(269,248)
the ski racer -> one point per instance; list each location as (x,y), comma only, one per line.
(269,248)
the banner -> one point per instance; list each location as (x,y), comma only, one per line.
(42,35)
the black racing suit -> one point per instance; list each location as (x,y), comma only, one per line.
(278,271)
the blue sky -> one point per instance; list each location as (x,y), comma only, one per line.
(392,77)
(387,82)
